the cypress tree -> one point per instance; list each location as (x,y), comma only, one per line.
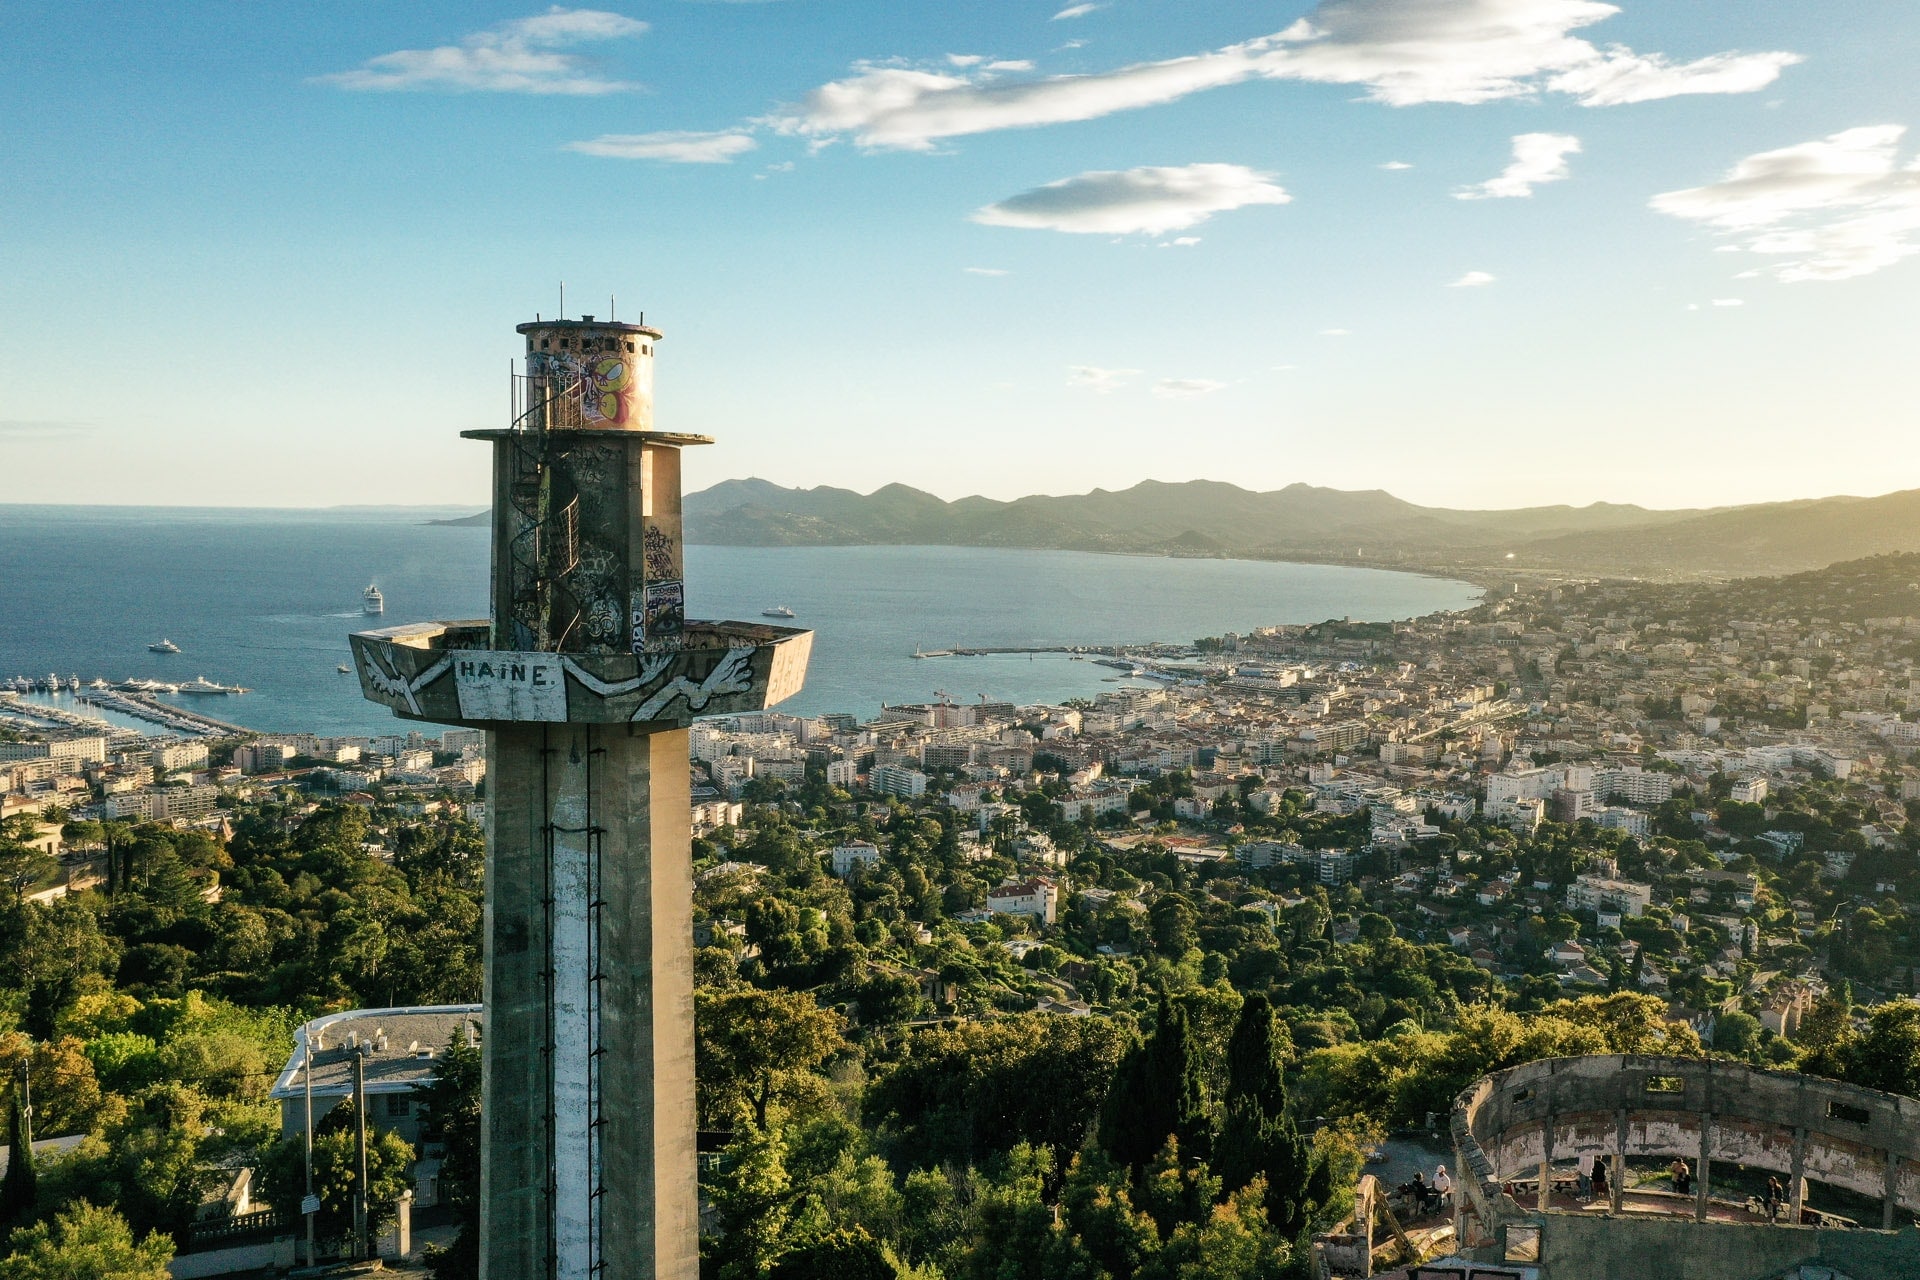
(19,1190)
(1158,1093)
(1257,1137)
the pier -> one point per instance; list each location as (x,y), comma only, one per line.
(163,714)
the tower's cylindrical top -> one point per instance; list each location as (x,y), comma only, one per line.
(590,373)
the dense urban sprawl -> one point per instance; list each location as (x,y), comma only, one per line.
(1122,987)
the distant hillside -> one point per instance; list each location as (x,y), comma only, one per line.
(1306,522)
(478,520)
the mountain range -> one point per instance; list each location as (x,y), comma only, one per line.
(1306,522)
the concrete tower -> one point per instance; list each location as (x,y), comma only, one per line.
(586,679)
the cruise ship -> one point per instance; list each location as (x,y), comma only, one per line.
(371,601)
(778,611)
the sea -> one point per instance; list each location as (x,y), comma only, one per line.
(265,599)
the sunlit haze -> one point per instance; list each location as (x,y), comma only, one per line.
(1486,254)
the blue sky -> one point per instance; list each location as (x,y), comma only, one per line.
(1475,252)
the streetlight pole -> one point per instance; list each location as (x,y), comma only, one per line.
(311,1204)
(362,1216)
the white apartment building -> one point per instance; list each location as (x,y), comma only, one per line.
(1076,805)
(180,755)
(1632,821)
(711,815)
(897,780)
(1599,893)
(262,757)
(81,750)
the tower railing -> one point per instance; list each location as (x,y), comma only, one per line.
(547,402)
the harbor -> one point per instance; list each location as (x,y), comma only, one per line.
(101,706)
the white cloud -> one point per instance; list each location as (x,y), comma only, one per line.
(1840,207)
(1074,11)
(965,59)
(1394,166)
(1537,158)
(985,271)
(1184,242)
(1096,379)
(1152,200)
(1621,76)
(524,55)
(675,146)
(1471,280)
(1401,52)
(1185,388)
(1010,64)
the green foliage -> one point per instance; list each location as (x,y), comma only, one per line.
(1886,1055)
(963,1093)
(757,1047)
(1157,1094)
(1257,1140)
(1401,1080)
(23,866)
(452,1119)
(841,1254)
(336,1174)
(19,1190)
(85,1243)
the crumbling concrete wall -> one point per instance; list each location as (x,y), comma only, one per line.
(1560,1108)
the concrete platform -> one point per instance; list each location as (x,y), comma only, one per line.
(444,672)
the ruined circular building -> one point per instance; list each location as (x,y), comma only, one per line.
(1523,1136)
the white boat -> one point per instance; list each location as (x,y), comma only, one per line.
(201,687)
(371,601)
(73,684)
(163,646)
(778,611)
(344,669)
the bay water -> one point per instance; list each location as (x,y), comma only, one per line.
(265,599)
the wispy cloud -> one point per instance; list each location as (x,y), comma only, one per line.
(1840,207)
(1186,388)
(42,428)
(1537,158)
(674,146)
(524,55)
(1093,378)
(1471,280)
(1729,302)
(1074,11)
(985,271)
(1402,52)
(1151,200)
(1394,166)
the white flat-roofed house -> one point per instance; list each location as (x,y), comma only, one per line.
(406,1045)
(857,853)
(1038,897)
